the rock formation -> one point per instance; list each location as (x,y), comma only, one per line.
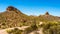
(11,8)
(46,13)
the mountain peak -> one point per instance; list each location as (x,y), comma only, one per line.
(11,8)
(47,13)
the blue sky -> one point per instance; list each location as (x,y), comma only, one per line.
(33,7)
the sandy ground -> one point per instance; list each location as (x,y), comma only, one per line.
(3,31)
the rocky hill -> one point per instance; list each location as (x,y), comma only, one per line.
(48,17)
(13,17)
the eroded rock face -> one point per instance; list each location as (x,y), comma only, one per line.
(11,8)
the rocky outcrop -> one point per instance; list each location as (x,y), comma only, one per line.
(47,13)
(11,8)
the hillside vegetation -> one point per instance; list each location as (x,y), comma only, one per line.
(13,17)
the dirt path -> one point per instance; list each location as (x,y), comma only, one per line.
(40,31)
(3,31)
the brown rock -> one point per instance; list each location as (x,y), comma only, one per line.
(11,8)
(46,13)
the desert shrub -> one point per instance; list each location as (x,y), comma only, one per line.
(15,31)
(30,29)
(52,28)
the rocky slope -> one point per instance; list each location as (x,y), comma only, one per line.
(13,17)
(48,17)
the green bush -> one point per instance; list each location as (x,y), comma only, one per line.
(15,31)
(52,28)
